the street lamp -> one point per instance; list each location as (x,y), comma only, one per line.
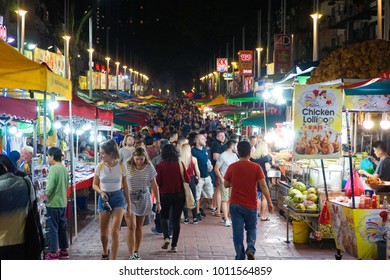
(258,62)
(20,33)
(108,66)
(66,50)
(124,75)
(117,78)
(316,17)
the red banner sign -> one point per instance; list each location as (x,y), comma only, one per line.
(245,63)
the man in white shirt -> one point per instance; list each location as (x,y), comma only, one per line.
(224,160)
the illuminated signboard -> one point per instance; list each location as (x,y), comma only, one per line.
(245,63)
(3,30)
(222,65)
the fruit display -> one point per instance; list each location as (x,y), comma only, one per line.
(301,199)
(365,60)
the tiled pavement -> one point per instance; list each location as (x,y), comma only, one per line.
(208,240)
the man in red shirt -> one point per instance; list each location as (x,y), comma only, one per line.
(243,177)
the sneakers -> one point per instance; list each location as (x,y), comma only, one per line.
(173,249)
(195,221)
(223,220)
(63,254)
(202,212)
(106,257)
(155,231)
(228,223)
(186,221)
(213,211)
(51,256)
(135,257)
(165,243)
(250,255)
(199,216)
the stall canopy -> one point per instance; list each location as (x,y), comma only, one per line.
(377,86)
(18,72)
(259,120)
(220,99)
(11,108)
(82,109)
(246,97)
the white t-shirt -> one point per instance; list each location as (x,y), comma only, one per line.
(224,160)
(110,178)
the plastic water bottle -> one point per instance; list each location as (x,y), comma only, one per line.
(385,203)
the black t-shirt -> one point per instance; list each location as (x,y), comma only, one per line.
(262,161)
(383,169)
(218,148)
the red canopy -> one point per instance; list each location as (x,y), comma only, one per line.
(19,108)
(82,109)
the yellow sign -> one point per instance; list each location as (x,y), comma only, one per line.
(317,117)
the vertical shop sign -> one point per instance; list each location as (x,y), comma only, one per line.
(245,63)
(317,117)
(282,54)
(222,65)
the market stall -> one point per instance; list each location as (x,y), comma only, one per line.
(24,79)
(357,231)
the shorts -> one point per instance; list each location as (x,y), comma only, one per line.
(225,193)
(205,187)
(116,199)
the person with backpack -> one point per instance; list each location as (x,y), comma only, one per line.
(111,185)
(17,201)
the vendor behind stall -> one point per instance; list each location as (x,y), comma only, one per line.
(382,170)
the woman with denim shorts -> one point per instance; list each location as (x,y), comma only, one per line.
(110,177)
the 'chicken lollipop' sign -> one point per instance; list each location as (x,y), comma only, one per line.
(317,115)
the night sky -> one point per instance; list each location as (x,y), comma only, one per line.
(178,40)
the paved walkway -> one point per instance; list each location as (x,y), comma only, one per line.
(208,240)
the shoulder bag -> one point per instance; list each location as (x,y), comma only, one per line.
(190,201)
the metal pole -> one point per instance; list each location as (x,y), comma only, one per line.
(243,47)
(23,13)
(379,15)
(265,118)
(386,21)
(268,60)
(90,58)
(44,127)
(96,156)
(72,167)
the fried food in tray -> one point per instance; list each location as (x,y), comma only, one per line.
(374,181)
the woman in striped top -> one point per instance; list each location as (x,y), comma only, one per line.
(141,176)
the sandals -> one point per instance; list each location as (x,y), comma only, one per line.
(265,220)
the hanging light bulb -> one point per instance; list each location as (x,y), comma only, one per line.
(368,123)
(385,123)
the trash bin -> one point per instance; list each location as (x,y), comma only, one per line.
(301,232)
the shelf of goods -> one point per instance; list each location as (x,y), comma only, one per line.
(305,208)
(358,232)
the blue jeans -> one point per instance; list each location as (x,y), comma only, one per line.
(56,229)
(243,217)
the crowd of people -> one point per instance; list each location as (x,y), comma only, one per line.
(178,145)
(144,173)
